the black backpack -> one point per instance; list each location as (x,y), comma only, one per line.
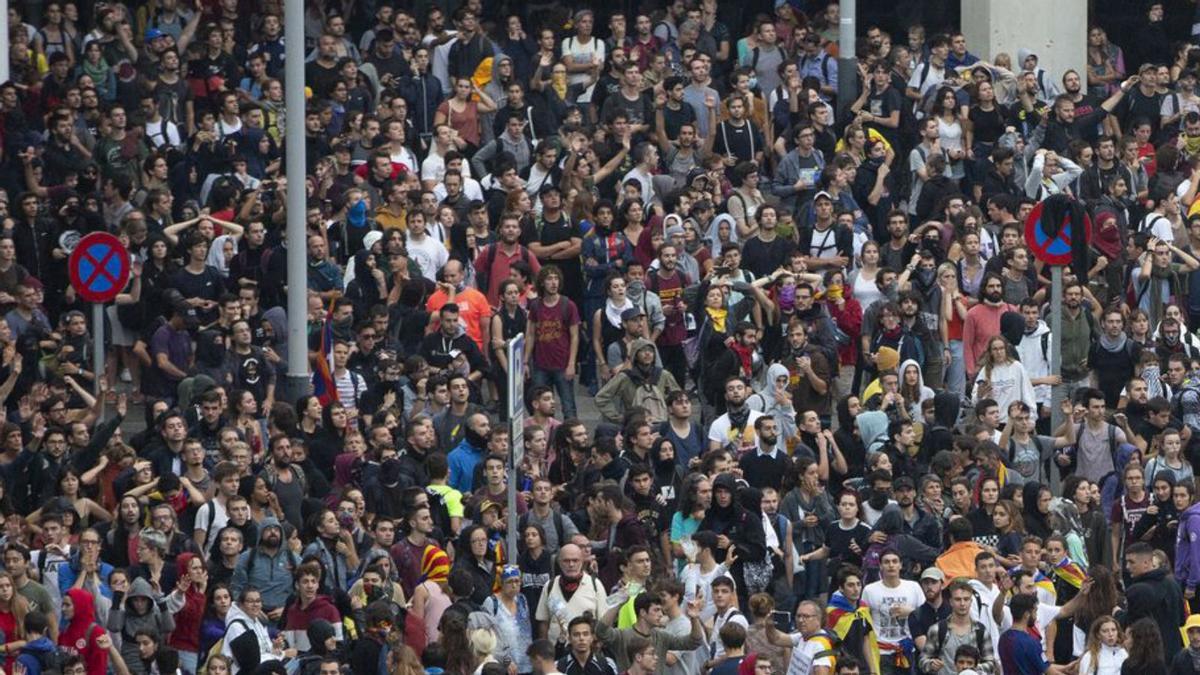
(483,277)
(944,630)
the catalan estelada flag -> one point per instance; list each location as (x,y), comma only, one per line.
(852,624)
(1069,572)
(322,378)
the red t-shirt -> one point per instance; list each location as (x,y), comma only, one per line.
(670,292)
(552,332)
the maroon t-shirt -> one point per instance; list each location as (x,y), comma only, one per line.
(552,337)
(670,292)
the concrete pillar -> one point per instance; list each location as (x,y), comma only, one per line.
(1056,32)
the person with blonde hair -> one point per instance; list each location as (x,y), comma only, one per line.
(1105,651)
(483,647)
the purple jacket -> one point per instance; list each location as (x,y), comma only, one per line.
(1187,548)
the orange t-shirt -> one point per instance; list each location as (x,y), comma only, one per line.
(473,311)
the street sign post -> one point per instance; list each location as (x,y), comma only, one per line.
(516,432)
(99,268)
(1054,247)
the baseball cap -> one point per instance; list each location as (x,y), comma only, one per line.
(548,188)
(154,34)
(1193,621)
(489,504)
(933,573)
(823,195)
(904,483)
(632,313)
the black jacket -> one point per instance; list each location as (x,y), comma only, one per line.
(1155,595)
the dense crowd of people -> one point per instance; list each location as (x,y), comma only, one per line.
(808,335)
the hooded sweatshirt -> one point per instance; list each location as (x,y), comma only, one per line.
(247,641)
(1187,548)
(79,634)
(297,620)
(914,406)
(33,653)
(1035,358)
(270,574)
(621,392)
(124,620)
(187,609)
(765,402)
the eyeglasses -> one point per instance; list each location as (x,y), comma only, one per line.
(89,542)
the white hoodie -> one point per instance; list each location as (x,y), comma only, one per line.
(1036,359)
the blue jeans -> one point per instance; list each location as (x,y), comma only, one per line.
(564,387)
(956,370)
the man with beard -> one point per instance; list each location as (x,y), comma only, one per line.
(267,568)
(442,348)
(809,372)
(469,452)
(249,366)
(983,322)
(407,553)
(735,429)
(1113,357)
(494,262)
(767,464)
(552,237)
(922,325)
(642,384)
(1066,125)
(668,284)
(739,358)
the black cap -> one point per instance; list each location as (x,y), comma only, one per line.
(903,483)
(547,188)
(632,313)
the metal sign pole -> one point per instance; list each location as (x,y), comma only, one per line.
(97,345)
(1058,391)
(516,434)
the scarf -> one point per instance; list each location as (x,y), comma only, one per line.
(1195,654)
(559,84)
(1107,237)
(568,586)
(1157,276)
(745,357)
(1113,344)
(613,312)
(717,316)
(738,416)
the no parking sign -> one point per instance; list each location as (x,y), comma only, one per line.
(99,267)
(1049,246)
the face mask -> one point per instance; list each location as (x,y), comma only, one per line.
(635,288)
(475,438)
(787,298)
(878,500)
(925,276)
(357,215)
(753,82)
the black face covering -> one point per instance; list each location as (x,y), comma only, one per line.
(878,500)
(475,438)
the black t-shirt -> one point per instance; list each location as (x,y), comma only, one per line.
(762,258)
(206,285)
(674,119)
(883,104)
(987,124)
(742,142)
(251,371)
(547,233)
(638,111)
(1137,105)
(838,540)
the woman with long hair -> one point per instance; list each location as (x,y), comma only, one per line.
(536,563)
(694,501)
(952,316)
(631,219)
(1144,643)
(212,626)
(809,506)
(971,267)
(608,324)
(1002,378)
(474,554)
(330,441)
(13,608)
(461,112)
(1006,518)
(983,126)
(1106,69)
(1104,652)
(982,517)
(758,634)
(862,280)
(507,321)
(948,113)
(246,417)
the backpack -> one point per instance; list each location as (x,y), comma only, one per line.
(1037,443)
(944,630)
(650,397)
(202,668)
(51,662)
(483,277)
(557,519)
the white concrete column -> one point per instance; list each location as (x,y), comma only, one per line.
(1055,31)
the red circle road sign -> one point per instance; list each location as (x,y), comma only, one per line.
(99,267)
(1056,249)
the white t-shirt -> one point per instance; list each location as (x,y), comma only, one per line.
(582,52)
(1159,226)
(804,655)
(430,255)
(210,518)
(881,599)
(721,431)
